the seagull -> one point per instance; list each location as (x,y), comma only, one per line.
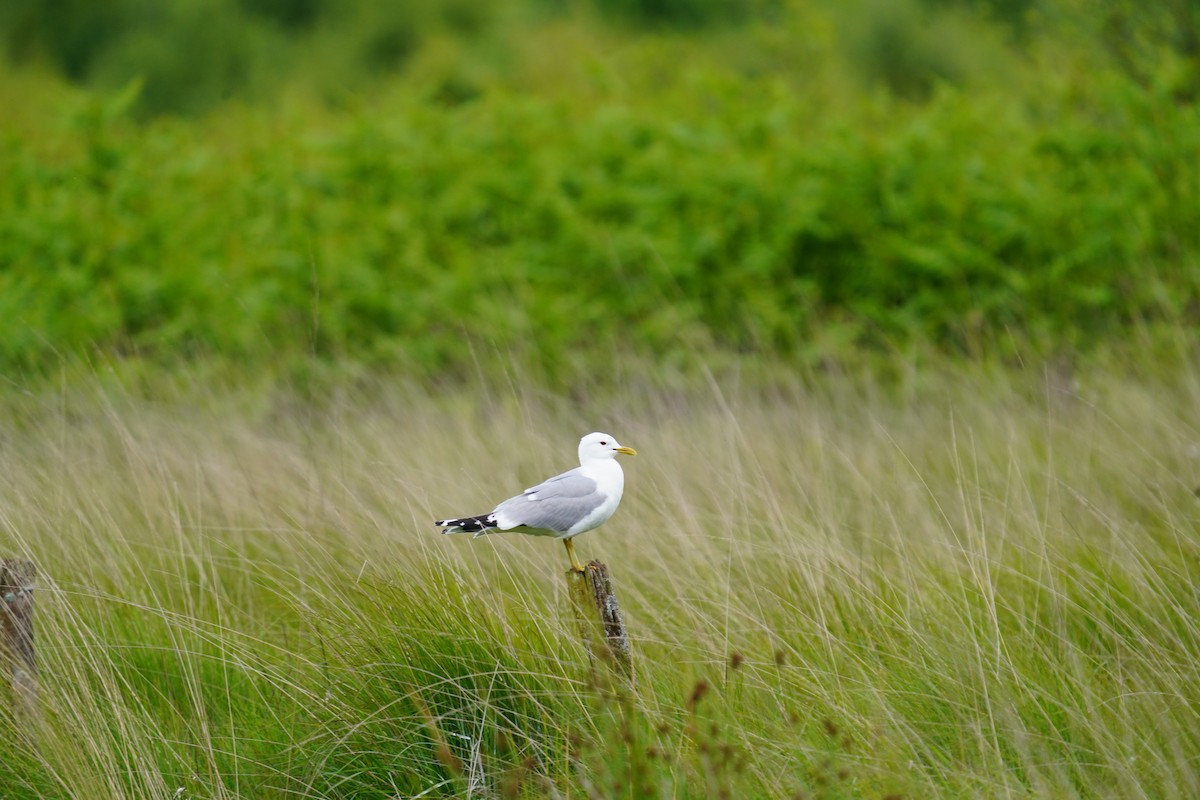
(563,506)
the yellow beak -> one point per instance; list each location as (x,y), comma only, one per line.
(629,451)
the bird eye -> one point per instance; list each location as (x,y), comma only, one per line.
(603,442)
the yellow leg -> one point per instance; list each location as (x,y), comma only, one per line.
(575,565)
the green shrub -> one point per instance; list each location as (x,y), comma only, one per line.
(722,214)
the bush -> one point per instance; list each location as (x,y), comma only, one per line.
(720,218)
(685,210)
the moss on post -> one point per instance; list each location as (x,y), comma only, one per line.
(17,661)
(599,616)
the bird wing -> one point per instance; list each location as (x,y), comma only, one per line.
(553,505)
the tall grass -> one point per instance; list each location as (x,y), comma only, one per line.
(983,586)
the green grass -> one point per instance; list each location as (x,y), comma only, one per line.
(975,585)
(967,581)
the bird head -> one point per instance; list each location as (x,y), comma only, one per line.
(601,445)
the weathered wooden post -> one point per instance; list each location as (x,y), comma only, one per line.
(599,616)
(17,579)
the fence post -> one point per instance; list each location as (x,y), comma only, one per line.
(599,616)
(17,662)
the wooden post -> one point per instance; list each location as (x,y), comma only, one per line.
(599,617)
(17,579)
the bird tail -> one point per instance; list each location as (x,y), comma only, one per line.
(484,523)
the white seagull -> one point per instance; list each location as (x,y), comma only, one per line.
(563,506)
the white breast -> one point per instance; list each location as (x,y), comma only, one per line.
(610,482)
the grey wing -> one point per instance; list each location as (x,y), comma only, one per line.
(554,505)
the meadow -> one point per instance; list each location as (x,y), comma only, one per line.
(976,583)
(896,300)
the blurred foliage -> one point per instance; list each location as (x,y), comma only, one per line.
(897,44)
(685,13)
(810,182)
(1151,43)
(194,54)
